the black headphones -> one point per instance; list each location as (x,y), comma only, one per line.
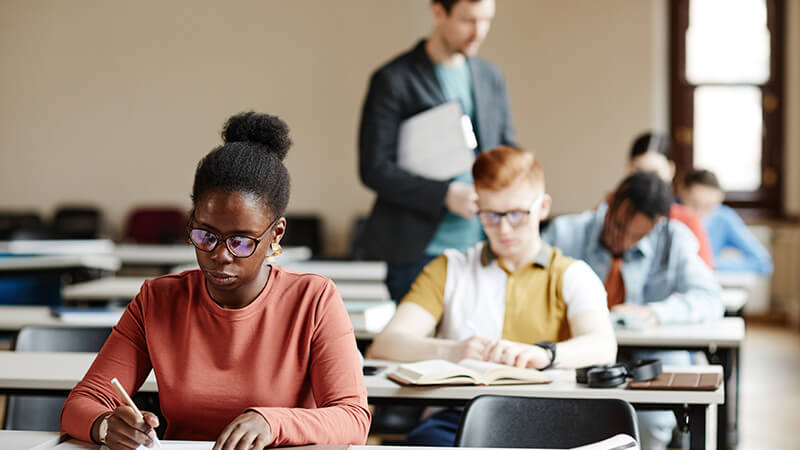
(613,375)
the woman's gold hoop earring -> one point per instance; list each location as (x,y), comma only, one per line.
(276,249)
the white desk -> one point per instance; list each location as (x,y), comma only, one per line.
(59,372)
(343,270)
(727,332)
(48,440)
(40,263)
(13,318)
(104,289)
(57,247)
(729,279)
(13,440)
(734,300)
(719,340)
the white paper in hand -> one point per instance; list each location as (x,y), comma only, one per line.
(438,143)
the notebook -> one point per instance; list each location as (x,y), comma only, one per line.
(465,372)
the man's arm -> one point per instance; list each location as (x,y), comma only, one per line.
(696,295)
(380,121)
(407,338)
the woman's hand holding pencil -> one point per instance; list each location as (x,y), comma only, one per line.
(127,427)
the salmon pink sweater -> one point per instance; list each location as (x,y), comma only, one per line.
(290,355)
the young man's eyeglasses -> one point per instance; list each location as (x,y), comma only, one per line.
(239,246)
(515,217)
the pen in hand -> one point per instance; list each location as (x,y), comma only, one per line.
(128,401)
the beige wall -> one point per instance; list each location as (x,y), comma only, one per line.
(113,103)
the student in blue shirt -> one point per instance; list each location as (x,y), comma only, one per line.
(700,191)
(651,269)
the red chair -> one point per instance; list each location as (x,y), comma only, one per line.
(156,225)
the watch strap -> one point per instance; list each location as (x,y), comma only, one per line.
(551,346)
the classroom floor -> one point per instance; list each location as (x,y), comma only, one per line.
(769,414)
(770,389)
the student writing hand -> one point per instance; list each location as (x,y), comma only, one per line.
(461,199)
(471,348)
(518,354)
(249,430)
(126,430)
(639,314)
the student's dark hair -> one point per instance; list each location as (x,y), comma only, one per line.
(651,142)
(448,4)
(249,161)
(646,193)
(701,177)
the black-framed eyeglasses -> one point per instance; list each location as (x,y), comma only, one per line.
(514,217)
(238,246)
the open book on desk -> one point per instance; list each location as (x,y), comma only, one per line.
(465,372)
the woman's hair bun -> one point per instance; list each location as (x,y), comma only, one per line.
(263,129)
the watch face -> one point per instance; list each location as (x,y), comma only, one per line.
(102,430)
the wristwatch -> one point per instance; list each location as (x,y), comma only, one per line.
(548,345)
(102,429)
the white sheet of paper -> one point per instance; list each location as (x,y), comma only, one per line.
(182,445)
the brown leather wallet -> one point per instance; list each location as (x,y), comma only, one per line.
(677,381)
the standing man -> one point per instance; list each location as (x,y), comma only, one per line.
(414,219)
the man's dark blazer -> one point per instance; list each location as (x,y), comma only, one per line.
(409,208)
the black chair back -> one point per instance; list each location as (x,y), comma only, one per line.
(13,223)
(304,231)
(519,422)
(78,222)
(42,412)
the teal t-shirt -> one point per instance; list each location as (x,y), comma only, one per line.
(455,231)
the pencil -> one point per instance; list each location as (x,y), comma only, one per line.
(127,399)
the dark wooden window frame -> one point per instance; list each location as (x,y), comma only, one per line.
(767,201)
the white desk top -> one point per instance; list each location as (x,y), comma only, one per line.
(44,370)
(56,262)
(13,318)
(343,270)
(734,299)
(563,385)
(12,439)
(730,279)
(46,440)
(104,289)
(64,370)
(107,288)
(725,332)
(57,247)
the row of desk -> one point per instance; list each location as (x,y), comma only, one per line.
(50,373)
(719,340)
(43,440)
(356,281)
